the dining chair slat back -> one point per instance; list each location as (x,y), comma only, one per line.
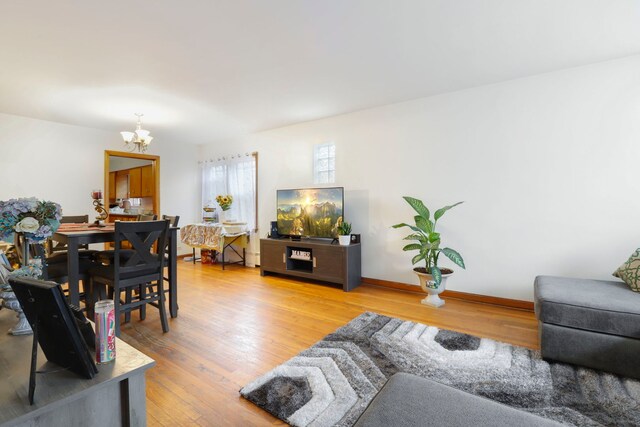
(142,236)
(74,219)
(53,246)
(173,220)
(147,217)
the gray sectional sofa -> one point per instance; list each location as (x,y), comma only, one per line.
(593,323)
(410,401)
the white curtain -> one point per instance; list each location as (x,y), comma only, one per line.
(235,176)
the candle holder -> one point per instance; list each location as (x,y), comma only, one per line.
(96,195)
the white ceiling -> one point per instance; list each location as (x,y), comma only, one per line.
(205,70)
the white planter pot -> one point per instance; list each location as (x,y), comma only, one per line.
(344,240)
(427,284)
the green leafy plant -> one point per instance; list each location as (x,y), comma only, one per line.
(344,229)
(427,239)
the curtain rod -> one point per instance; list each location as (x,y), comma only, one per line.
(233,156)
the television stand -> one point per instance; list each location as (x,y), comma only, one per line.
(312,259)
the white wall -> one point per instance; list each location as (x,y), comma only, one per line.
(121,163)
(548,167)
(64,163)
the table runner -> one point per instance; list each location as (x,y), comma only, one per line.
(77,227)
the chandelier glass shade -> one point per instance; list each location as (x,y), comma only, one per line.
(138,139)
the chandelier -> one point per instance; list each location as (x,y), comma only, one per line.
(138,139)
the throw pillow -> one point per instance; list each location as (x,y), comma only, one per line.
(629,272)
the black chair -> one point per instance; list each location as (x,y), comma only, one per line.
(54,270)
(106,256)
(57,251)
(142,271)
(173,220)
(147,217)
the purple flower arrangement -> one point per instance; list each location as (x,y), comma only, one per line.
(36,219)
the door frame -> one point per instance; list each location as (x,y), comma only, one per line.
(155,165)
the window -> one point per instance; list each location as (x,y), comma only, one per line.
(237,176)
(324,163)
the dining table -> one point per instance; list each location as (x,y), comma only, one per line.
(217,237)
(76,235)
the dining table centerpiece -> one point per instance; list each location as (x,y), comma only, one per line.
(28,220)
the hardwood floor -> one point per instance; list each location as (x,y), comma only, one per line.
(234,325)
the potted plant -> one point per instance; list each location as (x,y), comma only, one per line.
(344,233)
(427,243)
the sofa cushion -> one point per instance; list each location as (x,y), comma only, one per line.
(629,272)
(594,305)
(411,401)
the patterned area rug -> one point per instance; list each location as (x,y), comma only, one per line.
(332,382)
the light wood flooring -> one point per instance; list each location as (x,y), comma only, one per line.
(234,325)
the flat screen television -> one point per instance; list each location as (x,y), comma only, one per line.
(310,212)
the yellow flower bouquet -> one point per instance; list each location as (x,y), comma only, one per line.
(224,201)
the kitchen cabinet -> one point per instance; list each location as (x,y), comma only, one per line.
(112,187)
(135,182)
(132,183)
(122,184)
(148,181)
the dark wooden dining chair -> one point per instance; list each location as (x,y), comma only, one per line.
(57,251)
(147,217)
(141,272)
(54,270)
(106,256)
(173,220)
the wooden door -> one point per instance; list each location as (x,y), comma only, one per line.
(148,183)
(135,182)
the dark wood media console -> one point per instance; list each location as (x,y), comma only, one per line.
(313,259)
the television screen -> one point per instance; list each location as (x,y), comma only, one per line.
(312,212)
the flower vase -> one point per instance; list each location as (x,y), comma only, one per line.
(226,216)
(9,300)
(427,283)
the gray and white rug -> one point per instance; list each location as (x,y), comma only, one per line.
(332,382)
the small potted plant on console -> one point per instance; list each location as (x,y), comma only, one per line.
(427,243)
(344,233)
